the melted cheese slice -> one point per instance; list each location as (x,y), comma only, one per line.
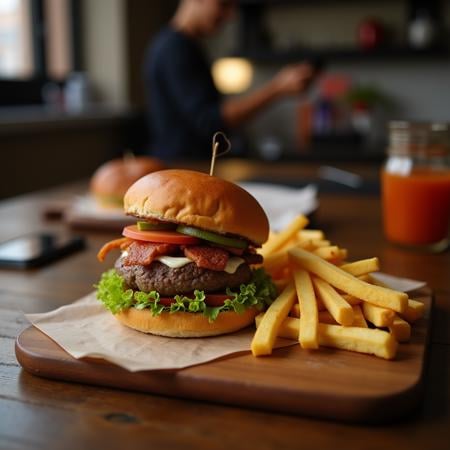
(175,262)
(233,263)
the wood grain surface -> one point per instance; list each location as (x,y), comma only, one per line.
(40,413)
(327,383)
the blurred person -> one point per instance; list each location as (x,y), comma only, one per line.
(186,108)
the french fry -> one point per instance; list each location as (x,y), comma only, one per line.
(328,253)
(264,338)
(289,327)
(380,317)
(276,261)
(340,279)
(366,278)
(414,311)
(362,267)
(292,242)
(295,311)
(362,340)
(310,234)
(351,300)
(308,310)
(270,239)
(359,320)
(320,243)
(335,304)
(400,329)
(272,234)
(281,238)
(307,244)
(312,244)
(326,317)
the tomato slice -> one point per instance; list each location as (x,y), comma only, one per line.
(169,237)
(166,301)
(211,300)
(216,299)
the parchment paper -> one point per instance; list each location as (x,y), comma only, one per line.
(86,328)
(86,207)
(282,203)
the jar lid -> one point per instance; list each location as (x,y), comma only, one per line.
(419,138)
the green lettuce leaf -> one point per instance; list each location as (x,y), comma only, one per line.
(113,292)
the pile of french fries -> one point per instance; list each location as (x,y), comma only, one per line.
(326,301)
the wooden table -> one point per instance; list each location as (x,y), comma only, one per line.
(37,413)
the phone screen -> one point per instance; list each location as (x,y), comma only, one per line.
(35,249)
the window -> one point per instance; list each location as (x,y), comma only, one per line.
(38,43)
(15,39)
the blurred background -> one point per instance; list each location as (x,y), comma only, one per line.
(72,92)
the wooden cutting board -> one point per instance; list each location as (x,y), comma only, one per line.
(326,383)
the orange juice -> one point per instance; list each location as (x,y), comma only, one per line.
(416,207)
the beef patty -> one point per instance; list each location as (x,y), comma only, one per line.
(168,282)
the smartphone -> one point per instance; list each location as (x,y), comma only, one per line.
(37,249)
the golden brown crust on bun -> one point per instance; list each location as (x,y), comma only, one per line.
(199,200)
(185,324)
(112,179)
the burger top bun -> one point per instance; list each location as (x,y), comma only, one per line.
(112,179)
(199,200)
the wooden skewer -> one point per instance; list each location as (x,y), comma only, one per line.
(215,147)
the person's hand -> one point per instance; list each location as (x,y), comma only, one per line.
(293,79)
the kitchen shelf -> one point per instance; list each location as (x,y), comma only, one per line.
(250,3)
(254,41)
(342,54)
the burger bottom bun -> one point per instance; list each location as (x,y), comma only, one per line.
(185,324)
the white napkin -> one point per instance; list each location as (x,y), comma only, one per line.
(283,203)
(86,328)
(397,283)
(86,206)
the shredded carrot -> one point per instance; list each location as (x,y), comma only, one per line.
(111,245)
(124,245)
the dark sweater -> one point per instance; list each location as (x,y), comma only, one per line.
(183,101)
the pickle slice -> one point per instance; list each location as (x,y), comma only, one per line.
(154,226)
(212,237)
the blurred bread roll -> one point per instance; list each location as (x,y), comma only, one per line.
(113,178)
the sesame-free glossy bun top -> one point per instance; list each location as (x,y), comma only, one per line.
(199,200)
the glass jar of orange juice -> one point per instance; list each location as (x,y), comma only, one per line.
(416,185)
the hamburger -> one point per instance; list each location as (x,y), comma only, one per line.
(187,268)
(112,179)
